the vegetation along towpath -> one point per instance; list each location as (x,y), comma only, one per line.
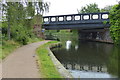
(22,62)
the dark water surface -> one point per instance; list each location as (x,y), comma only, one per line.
(85,59)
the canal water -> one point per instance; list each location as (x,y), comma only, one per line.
(86,59)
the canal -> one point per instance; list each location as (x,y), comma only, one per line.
(86,59)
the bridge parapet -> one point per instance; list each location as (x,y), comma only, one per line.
(77,21)
(77,17)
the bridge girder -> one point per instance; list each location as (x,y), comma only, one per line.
(82,23)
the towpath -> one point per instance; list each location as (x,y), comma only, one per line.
(22,63)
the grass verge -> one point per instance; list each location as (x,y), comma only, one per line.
(45,63)
(32,40)
(8,47)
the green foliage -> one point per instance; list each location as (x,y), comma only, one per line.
(34,39)
(17,25)
(20,34)
(106,9)
(115,23)
(113,64)
(30,9)
(37,19)
(8,47)
(91,8)
(104,22)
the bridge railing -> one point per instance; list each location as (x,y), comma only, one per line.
(77,17)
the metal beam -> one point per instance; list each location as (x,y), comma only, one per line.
(70,22)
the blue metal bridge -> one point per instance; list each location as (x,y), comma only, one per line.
(77,21)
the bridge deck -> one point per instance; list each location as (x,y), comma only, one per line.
(77,21)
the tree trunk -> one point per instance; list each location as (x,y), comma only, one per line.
(8,31)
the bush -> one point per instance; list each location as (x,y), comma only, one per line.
(115,23)
(20,34)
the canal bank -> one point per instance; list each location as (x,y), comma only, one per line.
(61,69)
(49,66)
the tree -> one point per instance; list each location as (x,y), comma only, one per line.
(115,23)
(9,16)
(37,5)
(30,10)
(106,9)
(41,7)
(17,17)
(15,14)
(91,8)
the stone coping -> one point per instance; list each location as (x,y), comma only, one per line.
(57,64)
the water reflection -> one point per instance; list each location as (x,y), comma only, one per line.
(113,61)
(68,44)
(76,47)
(92,68)
(88,59)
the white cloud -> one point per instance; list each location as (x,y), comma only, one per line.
(61,7)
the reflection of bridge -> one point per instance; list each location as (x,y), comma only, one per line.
(77,21)
(93,68)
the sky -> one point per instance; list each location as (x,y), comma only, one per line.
(62,7)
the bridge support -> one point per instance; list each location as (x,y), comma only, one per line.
(102,35)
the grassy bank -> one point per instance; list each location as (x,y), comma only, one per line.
(0,51)
(32,40)
(46,65)
(8,47)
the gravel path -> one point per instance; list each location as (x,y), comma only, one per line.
(22,63)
